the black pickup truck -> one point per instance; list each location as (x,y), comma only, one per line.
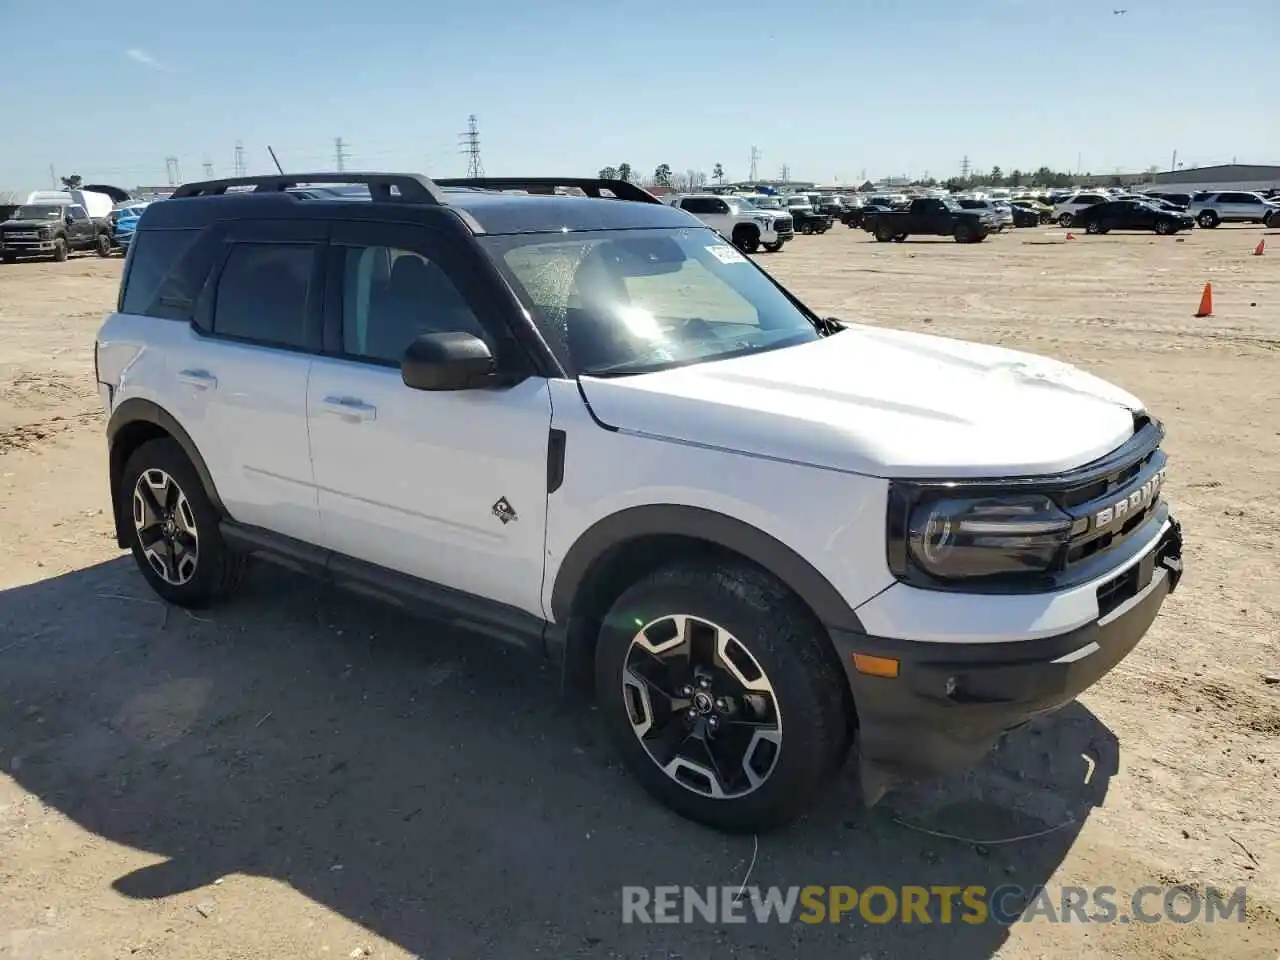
(52,228)
(930,217)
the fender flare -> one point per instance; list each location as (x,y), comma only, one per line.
(137,409)
(611,532)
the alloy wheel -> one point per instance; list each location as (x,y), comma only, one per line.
(701,706)
(166,527)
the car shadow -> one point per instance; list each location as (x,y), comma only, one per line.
(428,785)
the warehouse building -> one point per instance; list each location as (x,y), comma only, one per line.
(1224,176)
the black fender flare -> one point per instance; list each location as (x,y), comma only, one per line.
(138,410)
(611,532)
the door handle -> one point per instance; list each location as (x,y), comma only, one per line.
(200,379)
(350,408)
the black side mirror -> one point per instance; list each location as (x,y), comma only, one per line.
(449,361)
(69,219)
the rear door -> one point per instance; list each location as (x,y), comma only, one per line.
(240,374)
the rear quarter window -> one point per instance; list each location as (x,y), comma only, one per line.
(152,254)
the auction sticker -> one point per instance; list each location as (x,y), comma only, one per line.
(726,254)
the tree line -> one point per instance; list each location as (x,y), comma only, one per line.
(664,176)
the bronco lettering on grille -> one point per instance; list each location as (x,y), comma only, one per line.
(1135,502)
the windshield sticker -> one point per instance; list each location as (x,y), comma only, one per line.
(726,254)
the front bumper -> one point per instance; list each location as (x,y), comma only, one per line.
(28,247)
(951,701)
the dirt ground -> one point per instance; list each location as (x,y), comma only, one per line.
(306,774)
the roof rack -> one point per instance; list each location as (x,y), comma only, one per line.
(410,187)
(591,186)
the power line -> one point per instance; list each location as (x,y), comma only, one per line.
(755,161)
(340,155)
(470,141)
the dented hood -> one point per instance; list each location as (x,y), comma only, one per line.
(880,402)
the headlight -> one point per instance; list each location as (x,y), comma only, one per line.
(961,538)
(763,221)
(46,233)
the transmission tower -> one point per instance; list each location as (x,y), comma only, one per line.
(237,166)
(470,141)
(964,169)
(785,173)
(208,170)
(171,168)
(755,162)
(340,154)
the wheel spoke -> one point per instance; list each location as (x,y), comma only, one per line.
(149,536)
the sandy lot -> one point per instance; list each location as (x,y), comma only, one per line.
(304,774)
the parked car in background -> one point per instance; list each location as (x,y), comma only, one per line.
(1043,212)
(122,222)
(931,216)
(745,225)
(1000,218)
(1231,206)
(853,217)
(1066,209)
(1132,215)
(1182,200)
(807,219)
(52,228)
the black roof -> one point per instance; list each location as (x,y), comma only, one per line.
(481,205)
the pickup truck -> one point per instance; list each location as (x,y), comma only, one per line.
(932,217)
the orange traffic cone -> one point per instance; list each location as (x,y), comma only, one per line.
(1206,302)
(1071,236)
(1262,245)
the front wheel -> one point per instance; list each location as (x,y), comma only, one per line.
(722,694)
(176,542)
(1165,228)
(1208,220)
(1064,220)
(59,250)
(964,233)
(773,247)
(1093,226)
(883,234)
(746,240)
(102,246)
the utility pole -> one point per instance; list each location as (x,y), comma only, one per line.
(340,154)
(53,177)
(1173,161)
(755,164)
(208,170)
(239,161)
(171,168)
(470,142)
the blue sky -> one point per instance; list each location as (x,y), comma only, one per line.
(830,88)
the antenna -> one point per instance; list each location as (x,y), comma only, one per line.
(755,161)
(470,141)
(340,155)
(239,167)
(277,162)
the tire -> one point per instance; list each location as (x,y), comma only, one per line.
(964,233)
(900,238)
(1208,219)
(1165,229)
(746,239)
(59,250)
(102,245)
(883,234)
(763,627)
(1093,226)
(1064,220)
(190,582)
(772,247)
(10,258)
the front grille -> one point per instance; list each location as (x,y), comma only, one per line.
(783,225)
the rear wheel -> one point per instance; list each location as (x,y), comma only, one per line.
(1064,220)
(899,238)
(722,694)
(1165,228)
(1208,219)
(176,542)
(1093,226)
(883,234)
(964,233)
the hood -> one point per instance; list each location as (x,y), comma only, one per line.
(29,224)
(881,402)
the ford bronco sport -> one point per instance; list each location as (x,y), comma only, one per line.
(591,425)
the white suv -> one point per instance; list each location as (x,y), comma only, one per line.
(1229,206)
(591,426)
(747,226)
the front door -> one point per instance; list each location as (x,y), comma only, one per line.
(448,487)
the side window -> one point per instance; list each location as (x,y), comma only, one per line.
(262,294)
(392,296)
(717,206)
(696,205)
(151,255)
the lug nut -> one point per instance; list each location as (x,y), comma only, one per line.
(713,722)
(686,691)
(722,704)
(704,682)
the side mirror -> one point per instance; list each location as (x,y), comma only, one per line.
(448,361)
(69,219)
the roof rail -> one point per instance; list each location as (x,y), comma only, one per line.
(411,187)
(591,186)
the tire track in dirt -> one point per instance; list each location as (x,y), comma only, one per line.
(28,435)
